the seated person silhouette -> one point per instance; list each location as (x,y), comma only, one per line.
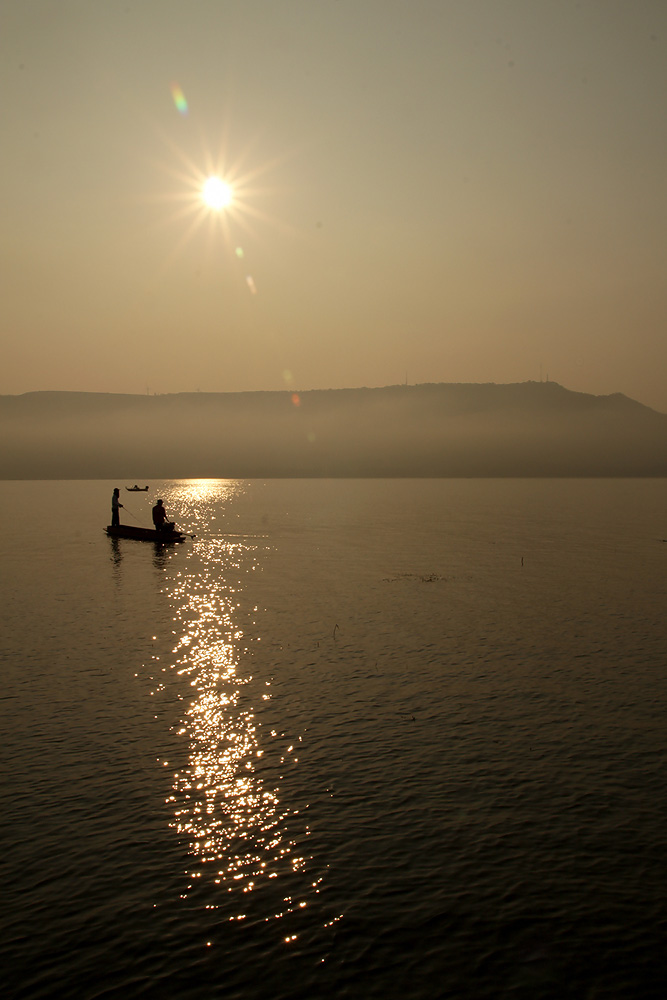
(159,516)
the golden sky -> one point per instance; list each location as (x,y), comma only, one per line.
(430,190)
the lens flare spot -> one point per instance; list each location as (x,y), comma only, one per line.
(251,284)
(179,99)
(295,399)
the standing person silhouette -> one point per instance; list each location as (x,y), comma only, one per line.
(115,505)
(159,516)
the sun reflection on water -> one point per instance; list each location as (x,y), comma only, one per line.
(225,796)
(191,493)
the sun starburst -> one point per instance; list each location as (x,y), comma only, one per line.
(219,193)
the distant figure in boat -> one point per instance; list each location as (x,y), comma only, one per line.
(159,516)
(115,504)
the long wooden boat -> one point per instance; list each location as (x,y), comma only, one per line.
(164,537)
(136,489)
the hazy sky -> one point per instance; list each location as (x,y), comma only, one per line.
(437,190)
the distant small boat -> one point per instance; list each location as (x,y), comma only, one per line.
(136,489)
(164,537)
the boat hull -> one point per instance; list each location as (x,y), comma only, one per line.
(144,534)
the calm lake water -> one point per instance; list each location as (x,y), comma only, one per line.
(353,739)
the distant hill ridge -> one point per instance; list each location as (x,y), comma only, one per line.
(475,392)
(433,429)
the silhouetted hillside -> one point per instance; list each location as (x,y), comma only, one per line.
(525,429)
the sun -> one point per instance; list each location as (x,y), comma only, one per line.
(216,193)
(219,194)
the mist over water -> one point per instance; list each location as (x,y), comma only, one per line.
(524,429)
(368,738)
